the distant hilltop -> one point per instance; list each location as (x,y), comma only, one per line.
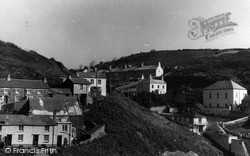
(29,64)
(188,64)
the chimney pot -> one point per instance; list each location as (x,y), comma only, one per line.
(8,78)
(159,64)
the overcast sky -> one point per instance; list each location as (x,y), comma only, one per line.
(78,31)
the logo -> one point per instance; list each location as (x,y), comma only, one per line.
(210,28)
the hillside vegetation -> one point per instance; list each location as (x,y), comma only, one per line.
(134,130)
(196,67)
(29,64)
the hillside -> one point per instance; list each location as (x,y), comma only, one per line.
(133,130)
(28,64)
(197,67)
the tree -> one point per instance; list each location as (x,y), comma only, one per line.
(92,64)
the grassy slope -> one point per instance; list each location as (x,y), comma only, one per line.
(28,64)
(133,130)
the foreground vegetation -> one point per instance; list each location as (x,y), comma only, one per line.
(134,130)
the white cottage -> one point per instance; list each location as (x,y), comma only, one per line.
(151,85)
(222,96)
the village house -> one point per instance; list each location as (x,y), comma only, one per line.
(151,85)
(196,122)
(79,87)
(97,79)
(126,74)
(30,131)
(12,90)
(222,97)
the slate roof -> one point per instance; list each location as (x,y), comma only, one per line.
(23,83)
(90,75)
(146,68)
(52,104)
(221,85)
(59,91)
(80,81)
(151,81)
(16,119)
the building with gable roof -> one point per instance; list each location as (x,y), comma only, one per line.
(79,88)
(121,75)
(223,96)
(12,90)
(151,85)
(96,78)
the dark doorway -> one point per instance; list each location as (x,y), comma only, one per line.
(6,99)
(59,141)
(8,140)
(35,140)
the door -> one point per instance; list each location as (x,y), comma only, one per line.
(8,140)
(35,140)
(200,128)
(59,141)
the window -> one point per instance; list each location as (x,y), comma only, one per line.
(20,137)
(226,105)
(210,95)
(46,128)
(226,95)
(20,128)
(0,128)
(158,86)
(65,128)
(99,81)
(92,81)
(46,138)
(236,94)
(81,87)
(218,105)
(199,120)
(152,86)
(218,95)
(163,86)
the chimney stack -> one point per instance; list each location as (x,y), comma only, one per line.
(95,69)
(125,67)
(142,64)
(70,77)
(8,78)
(110,67)
(142,76)
(162,78)
(88,68)
(45,80)
(150,76)
(159,64)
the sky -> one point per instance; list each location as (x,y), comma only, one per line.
(79,31)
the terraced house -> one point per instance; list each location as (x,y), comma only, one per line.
(12,90)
